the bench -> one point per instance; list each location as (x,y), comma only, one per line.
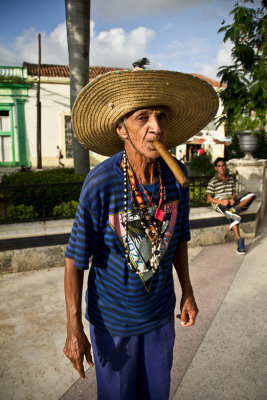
(36,245)
(210,227)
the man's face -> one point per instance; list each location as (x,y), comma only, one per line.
(220,168)
(144,126)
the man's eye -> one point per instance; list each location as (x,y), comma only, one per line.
(162,116)
(142,118)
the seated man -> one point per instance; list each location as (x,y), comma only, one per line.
(222,196)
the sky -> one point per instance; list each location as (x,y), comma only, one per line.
(179,35)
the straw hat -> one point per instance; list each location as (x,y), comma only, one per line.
(105,100)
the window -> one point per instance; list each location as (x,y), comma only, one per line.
(4,121)
(5,136)
(5,149)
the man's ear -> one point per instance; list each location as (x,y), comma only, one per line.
(121,131)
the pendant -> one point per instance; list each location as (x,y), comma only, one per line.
(152,233)
(160,214)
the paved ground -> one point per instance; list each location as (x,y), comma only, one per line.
(221,358)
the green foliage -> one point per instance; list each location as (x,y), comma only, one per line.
(61,175)
(244,123)
(202,165)
(246,91)
(197,195)
(41,190)
(261,152)
(234,150)
(21,212)
(66,209)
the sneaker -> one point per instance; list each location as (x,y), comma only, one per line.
(240,246)
(233,214)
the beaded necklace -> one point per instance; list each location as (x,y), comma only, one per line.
(152,224)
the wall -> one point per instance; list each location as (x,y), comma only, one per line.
(208,133)
(55,104)
(251,176)
(207,228)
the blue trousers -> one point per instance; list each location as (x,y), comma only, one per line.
(136,367)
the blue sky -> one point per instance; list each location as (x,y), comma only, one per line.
(178,35)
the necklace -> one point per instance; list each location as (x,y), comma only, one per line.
(151,223)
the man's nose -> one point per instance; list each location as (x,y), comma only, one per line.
(154,124)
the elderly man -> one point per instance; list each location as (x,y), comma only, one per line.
(132,222)
(221,194)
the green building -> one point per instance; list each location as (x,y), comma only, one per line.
(13,95)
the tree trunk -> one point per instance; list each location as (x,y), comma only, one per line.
(78,34)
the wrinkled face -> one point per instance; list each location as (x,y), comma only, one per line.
(143,127)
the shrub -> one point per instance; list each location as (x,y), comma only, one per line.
(202,165)
(197,195)
(66,209)
(62,175)
(65,186)
(21,212)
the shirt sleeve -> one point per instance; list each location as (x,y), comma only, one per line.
(184,198)
(83,238)
(210,188)
(185,232)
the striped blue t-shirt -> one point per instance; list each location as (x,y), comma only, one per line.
(122,301)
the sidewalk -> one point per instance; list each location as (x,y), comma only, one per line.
(221,357)
(230,363)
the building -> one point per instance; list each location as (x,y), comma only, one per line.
(14,89)
(18,117)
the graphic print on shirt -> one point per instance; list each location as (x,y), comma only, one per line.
(139,245)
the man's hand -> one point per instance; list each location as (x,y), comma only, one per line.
(224,202)
(189,310)
(76,347)
(232,202)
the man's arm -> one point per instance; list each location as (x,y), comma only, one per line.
(233,199)
(188,305)
(77,345)
(212,200)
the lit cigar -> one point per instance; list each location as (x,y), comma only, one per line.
(172,164)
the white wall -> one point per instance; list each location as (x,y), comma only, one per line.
(55,103)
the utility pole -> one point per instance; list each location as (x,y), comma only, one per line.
(39,136)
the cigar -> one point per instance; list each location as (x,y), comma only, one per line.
(172,164)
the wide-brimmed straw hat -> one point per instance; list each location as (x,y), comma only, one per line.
(105,100)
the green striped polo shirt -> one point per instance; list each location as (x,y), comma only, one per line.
(221,190)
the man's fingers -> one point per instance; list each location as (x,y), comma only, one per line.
(80,368)
(88,357)
(184,317)
(190,321)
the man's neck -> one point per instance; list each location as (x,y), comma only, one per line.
(222,177)
(144,168)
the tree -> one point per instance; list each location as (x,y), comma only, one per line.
(78,34)
(246,88)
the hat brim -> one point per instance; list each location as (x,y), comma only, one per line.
(104,101)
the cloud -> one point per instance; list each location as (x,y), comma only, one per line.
(117,9)
(25,47)
(221,57)
(115,47)
(168,26)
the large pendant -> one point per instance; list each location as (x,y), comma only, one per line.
(151,233)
